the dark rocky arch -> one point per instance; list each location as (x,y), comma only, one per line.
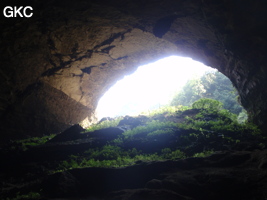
(57,64)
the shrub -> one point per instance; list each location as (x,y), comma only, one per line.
(167,153)
(33,141)
(104,124)
(206,103)
(107,152)
(150,127)
(203,154)
(242,117)
(161,132)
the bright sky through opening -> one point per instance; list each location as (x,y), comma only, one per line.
(151,86)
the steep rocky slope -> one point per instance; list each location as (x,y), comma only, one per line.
(166,156)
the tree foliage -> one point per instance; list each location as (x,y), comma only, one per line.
(207,104)
(212,85)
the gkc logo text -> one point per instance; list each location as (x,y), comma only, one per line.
(15,11)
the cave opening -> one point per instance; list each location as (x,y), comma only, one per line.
(170,81)
(56,65)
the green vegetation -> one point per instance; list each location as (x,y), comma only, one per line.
(167,153)
(160,132)
(207,129)
(30,195)
(153,127)
(212,85)
(182,133)
(105,124)
(169,133)
(120,161)
(199,129)
(242,117)
(26,143)
(209,104)
(224,120)
(114,156)
(203,154)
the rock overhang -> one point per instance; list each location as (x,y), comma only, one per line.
(63,59)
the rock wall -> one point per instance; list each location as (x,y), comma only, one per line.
(56,65)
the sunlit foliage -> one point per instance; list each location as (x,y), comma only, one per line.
(169,133)
(213,85)
(105,124)
(150,127)
(209,129)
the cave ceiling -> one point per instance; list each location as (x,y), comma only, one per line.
(57,64)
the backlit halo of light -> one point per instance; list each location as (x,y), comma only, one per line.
(151,85)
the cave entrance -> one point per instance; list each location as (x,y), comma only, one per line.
(170,81)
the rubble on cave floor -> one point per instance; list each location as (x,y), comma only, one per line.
(142,158)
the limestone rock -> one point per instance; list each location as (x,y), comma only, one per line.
(72,133)
(55,66)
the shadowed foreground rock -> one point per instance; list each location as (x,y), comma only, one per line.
(227,175)
(59,169)
(75,133)
(82,164)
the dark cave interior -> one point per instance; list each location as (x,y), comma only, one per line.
(56,64)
